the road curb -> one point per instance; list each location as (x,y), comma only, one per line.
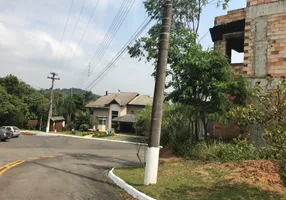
(128,188)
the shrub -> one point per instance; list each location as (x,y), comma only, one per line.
(100,134)
(236,151)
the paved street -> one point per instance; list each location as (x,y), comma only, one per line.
(78,171)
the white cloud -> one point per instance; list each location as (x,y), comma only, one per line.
(30,36)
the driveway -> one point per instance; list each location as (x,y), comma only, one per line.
(62,168)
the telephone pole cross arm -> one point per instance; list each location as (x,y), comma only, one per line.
(53,77)
(151,171)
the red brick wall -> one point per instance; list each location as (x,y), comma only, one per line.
(256,2)
(233,15)
(276,35)
(248,46)
(228,132)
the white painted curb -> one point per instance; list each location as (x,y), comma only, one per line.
(128,188)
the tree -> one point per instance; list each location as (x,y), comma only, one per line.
(12,110)
(200,79)
(69,108)
(186,13)
(186,16)
(20,102)
(82,118)
(203,80)
(143,120)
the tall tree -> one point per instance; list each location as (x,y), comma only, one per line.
(186,13)
(186,17)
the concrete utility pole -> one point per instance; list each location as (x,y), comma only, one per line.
(53,77)
(152,162)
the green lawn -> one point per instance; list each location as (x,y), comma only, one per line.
(190,180)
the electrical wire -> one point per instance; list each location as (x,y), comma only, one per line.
(65,28)
(204,36)
(109,36)
(121,53)
(73,31)
(79,43)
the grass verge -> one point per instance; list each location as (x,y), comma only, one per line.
(184,180)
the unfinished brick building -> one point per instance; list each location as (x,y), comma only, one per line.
(258,31)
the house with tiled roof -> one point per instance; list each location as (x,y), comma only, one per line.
(117,110)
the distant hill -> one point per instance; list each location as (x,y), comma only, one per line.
(73,90)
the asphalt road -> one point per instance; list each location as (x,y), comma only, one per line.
(62,168)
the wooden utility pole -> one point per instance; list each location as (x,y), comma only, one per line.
(53,77)
(152,163)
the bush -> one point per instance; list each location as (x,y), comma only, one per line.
(100,134)
(236,151)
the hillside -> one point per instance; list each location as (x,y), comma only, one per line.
(73,90)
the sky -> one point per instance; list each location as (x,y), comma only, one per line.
(31,47)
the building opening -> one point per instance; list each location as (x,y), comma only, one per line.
(232,36)
(235,47)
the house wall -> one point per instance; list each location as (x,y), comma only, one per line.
(265,38)
(257,2)
(131,109)
(264,43)
(100,112)
(114,107)
(123,111)
(233,15)
(58,126)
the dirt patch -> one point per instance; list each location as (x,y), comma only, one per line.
(173,160)
(262,173)
(166,152)
(28,134)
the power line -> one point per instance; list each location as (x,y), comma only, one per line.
(112,31)
(73,31)
(94,9)
(104,39)
(122,52)
(65,28)
(204,36)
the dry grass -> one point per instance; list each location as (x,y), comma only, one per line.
(181,179)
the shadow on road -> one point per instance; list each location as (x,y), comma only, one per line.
(75,174)
(114,161)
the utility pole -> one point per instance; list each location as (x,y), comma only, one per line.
(152,162)
(53,77)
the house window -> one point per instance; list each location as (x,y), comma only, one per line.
(114,114)
(90,111)
(102,122)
